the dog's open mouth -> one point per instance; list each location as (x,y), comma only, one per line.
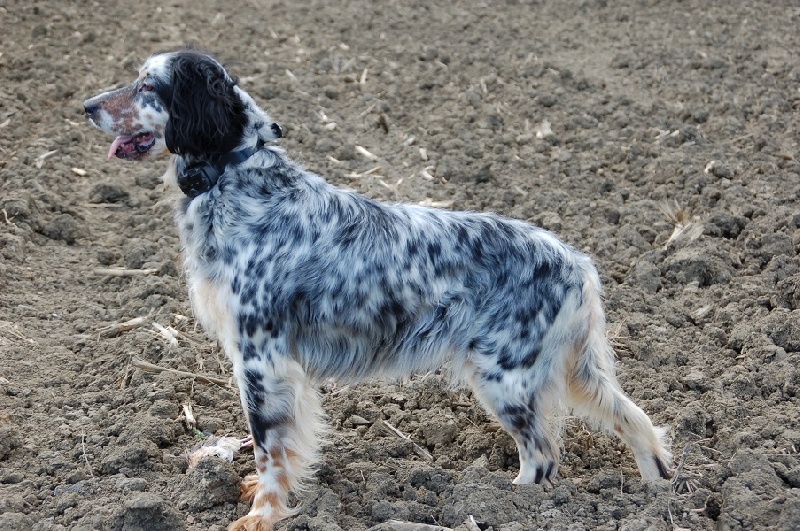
(131,147)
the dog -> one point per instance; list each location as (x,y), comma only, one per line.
(302,281)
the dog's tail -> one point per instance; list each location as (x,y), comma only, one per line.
(595,395)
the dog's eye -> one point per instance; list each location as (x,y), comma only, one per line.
(146,88)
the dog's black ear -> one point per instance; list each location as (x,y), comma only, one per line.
(207,117)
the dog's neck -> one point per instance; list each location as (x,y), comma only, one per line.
(260,126)
(200,177)
(196,176)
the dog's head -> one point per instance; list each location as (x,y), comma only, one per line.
(183,102)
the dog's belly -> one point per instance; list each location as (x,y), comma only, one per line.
(346,357)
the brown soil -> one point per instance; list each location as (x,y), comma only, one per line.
(661,113)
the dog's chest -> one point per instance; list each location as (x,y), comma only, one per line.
(207,277)
(211,302)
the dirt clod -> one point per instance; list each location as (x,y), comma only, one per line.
(148,511)
(212,482)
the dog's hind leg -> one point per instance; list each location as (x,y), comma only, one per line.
(284,413)
(594,394)
(524,412)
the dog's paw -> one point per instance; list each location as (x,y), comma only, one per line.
(251,522)
(541,474)
(248,490)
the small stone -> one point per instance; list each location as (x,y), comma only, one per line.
(357,420)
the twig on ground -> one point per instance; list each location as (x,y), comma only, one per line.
(682,482)
(150,367)
(392,187)
(366,154)
(188,416)
(397,525)
(168,333)
(675,527)
(104,205)
(44,156)
(13,330)
(617,338)
(471,524)
(371,171)
(419,450)
(117,328)
(85,457)
(123,272)
(334,390)
(684,455)
(448,203)
(369,109)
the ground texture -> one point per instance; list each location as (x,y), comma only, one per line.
(659,137)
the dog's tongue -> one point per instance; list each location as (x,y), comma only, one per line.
(116,144)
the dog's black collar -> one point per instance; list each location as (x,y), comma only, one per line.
(200,177)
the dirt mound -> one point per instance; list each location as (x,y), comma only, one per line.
(661,139)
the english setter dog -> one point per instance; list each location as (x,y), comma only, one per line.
(302,281)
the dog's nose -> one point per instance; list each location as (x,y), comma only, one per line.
(90,108)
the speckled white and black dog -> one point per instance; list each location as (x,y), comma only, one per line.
(302,281)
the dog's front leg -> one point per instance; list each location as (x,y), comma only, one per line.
(284,414)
